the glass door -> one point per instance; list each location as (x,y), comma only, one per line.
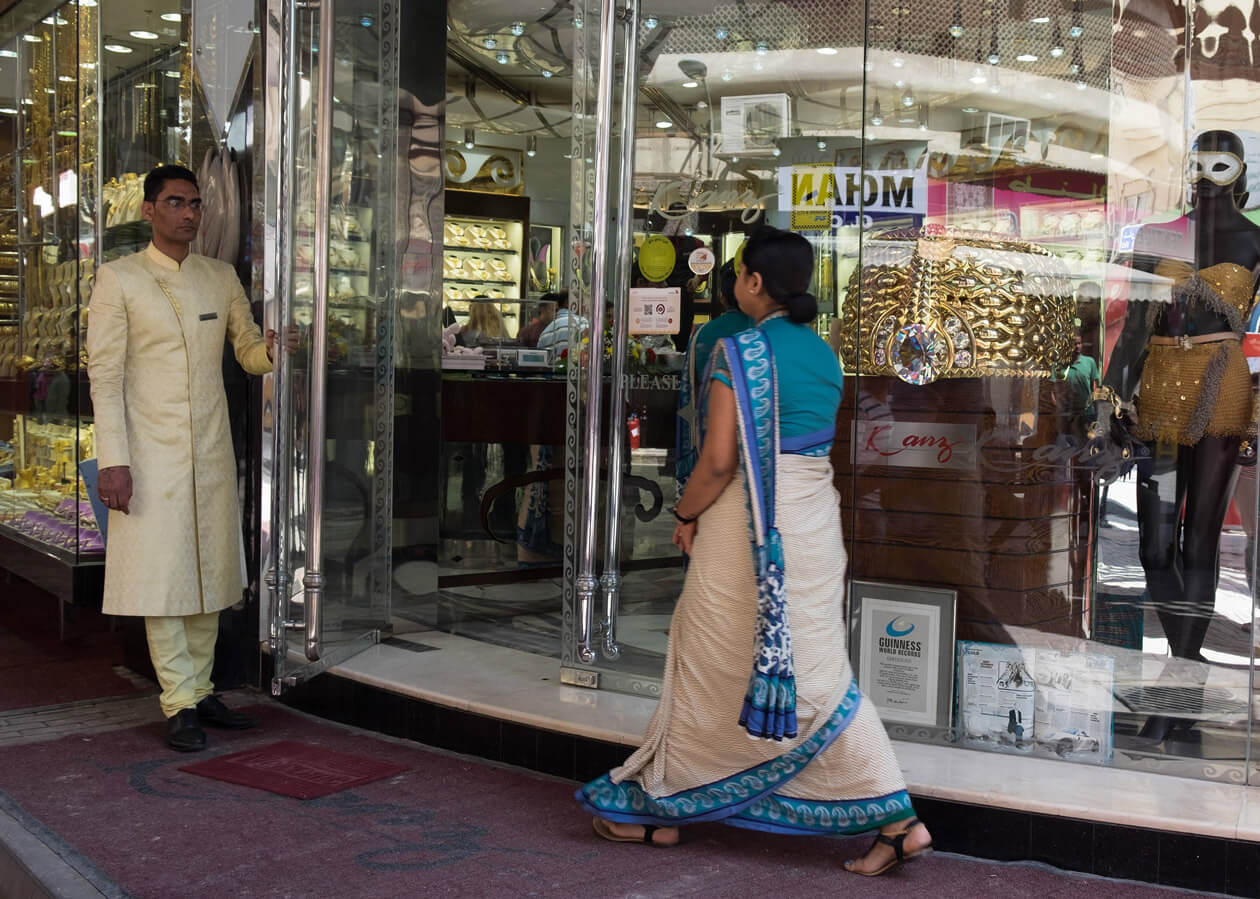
(332,116)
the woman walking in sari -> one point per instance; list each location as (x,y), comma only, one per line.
(761,723)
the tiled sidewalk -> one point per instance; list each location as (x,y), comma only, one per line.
(84,717)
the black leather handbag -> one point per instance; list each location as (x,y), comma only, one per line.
(1112,448)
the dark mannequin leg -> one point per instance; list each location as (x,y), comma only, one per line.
(1160,492)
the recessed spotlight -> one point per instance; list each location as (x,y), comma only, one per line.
(822,144)
(970,110)
(1080,84)
(577,22)
(727,75)
(118,48)
(1027,57)
(1039,20)
(141,35)
(650,22)
(721,32)
(776,152)
(171,73)
(489,43)
(828,51)
(734,159)
(547,73)
(66,79)
(664,123)
(691,84)
(170,17)
(1075,32)
(956,30)
(907,99)
(517,29)
(898,62)
(994,59)
(531,146)
(32,38)
(367,21)
(501,58)
(700,104)
(761,48)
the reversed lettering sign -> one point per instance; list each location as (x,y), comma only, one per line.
(813,193)
(914,444)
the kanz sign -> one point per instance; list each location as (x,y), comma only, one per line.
(914,444)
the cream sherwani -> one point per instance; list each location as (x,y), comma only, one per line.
(155,351)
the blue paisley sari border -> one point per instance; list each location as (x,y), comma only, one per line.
(629,803)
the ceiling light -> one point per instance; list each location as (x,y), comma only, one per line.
(727,74)
(531,146)
(166,16)
(664,123)
(1039,20)
(734,159)
(650,22)
(87,65)
(776,152)
(907,99)
(868,65)
(577,22)
(956,25)
(501,58)
(1027,57)
(993,57)
(366,21)
(877,117)
(517,29)
(66,79)
(1080,84)
(1056,43)
(171,73)
(32,38)
(761,48)
(118,48)
(7,110)
(87,3)
(1076,31)
(978,76)
(691,84)
(489,43)
(995,88)
(898,62)
(828,51)
(547,73)
(956,30)
(970,110)
(141,35)
(55,20)
(470,138)
(822,144)
(700,104)
(721,32)
(8,54)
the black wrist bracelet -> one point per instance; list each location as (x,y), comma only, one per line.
(682,520)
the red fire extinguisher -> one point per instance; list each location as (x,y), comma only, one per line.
(632,423)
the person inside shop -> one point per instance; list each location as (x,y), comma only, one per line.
(1184,360)
(699,350)
(547,306)
(759,702)
(485,325)
(167,472)
(556,334)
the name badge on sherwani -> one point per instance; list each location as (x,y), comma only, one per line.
(209,316)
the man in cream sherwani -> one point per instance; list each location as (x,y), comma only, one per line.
(155,336)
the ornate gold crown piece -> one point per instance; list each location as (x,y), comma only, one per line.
(933,304)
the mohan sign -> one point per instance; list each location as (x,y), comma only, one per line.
(815,193)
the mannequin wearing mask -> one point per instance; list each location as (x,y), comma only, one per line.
(1194,403)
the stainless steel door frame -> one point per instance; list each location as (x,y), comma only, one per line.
(283,111)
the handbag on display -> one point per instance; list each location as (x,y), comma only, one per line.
(1111,445)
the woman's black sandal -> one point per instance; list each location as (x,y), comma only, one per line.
(602,828)
(898,843)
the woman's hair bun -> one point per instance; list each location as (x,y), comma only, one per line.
(802,308)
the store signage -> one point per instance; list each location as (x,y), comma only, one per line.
(678,199)
(914,444)
(815,193)
(655,310)
(657,257)
(903,648)
(754,123)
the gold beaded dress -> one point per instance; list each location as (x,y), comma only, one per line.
(1190,390)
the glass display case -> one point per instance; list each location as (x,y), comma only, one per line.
(484,257)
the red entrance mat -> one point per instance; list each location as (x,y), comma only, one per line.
(295,769)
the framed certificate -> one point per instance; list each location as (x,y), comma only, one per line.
(903,650)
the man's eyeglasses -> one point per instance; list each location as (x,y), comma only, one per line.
(175,204)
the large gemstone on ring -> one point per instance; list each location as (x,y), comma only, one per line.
(916,356)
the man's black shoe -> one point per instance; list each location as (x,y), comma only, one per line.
(211,710)
(184,733)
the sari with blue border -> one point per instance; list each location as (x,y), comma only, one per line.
(753,798)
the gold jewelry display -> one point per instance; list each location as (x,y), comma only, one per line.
(930,304)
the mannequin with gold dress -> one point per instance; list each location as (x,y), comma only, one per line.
(1184,361)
